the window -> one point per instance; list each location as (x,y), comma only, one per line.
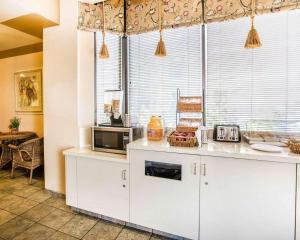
(153,81)
(108,75)
(257,89)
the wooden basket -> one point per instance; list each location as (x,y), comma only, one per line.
(189,104)
(189,124)
(182,141)
(294,146)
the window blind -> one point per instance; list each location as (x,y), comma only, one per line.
(108,71)
(153,81)
(257,89)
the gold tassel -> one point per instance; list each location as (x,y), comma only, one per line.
(103,54)
(104,50)
(253,40)
(161,48)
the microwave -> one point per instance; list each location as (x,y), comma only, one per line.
(113,139)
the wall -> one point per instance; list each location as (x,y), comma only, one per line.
(8,66)
(68,99)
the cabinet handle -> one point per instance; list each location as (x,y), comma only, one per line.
(124,175)
(203,169)
(195,169)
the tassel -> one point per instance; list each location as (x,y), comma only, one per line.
(104,51)
(161,48)
(103,54)
(253,40)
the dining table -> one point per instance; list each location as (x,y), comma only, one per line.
(20,136)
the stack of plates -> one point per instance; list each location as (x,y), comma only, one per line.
(266,148)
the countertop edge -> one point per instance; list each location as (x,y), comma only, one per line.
(88,153)
(226,150)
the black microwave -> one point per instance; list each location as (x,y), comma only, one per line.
(114,139)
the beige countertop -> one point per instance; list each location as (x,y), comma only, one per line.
(88,153)
(217,149)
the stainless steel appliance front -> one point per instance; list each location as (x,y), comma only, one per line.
(114,139)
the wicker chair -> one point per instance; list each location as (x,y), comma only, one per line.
(5,155)
(29,155)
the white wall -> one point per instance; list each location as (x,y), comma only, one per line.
(68,84)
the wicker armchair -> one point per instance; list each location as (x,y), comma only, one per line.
(29,155)
(5,155)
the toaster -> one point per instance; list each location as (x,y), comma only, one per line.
(227,133)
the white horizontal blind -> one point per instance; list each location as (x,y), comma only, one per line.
(153,81)
(257,89)
(108,71)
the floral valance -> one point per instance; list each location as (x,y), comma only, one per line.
(142,15)
(221,10)
(90,17)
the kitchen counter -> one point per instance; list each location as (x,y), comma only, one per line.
(218,149)
(88,153)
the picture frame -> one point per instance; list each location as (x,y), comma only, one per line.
(29,91)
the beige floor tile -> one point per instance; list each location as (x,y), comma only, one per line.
(103,231)
(4,173)
(39,183)
(6,216)
(56,219)
(131,234)
(3,194)
(38,212)
(14,227)
(8,200)
(36,232)
(23,180)
(61,236)
(26,191)
(58,202)
(8,185)
(40,196)
(78,226)
(21,206)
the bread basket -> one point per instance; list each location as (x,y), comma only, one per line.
(294,145)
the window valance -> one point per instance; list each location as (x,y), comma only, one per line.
(142,15)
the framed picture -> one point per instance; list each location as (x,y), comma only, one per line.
(29,91)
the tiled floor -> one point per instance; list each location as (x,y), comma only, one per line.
(28,212)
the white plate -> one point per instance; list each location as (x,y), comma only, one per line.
(266,148)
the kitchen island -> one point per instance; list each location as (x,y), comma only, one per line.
(217,192)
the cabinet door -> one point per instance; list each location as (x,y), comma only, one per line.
(163,204)
(71,180)
(247,200)
(103,187)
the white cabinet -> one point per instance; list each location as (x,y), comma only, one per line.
(71,181)
(247,200)
(167,205)
(103,187)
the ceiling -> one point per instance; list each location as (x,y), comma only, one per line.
(11,38)
(22,22)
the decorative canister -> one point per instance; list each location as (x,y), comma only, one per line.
(155,131)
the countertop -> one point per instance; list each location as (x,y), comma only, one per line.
(217,149)
(88,153)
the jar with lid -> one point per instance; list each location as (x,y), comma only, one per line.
(155,130)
